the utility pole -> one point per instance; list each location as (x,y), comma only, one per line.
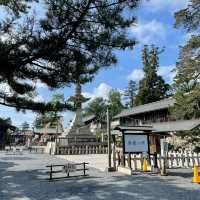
(109,139)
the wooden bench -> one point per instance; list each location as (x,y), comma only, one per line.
(68,169)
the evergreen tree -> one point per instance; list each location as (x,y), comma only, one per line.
(114,103)
(75,39)
(152,87)
(130,93)
(16,6)
(187,80)
(51,118)
(98,108)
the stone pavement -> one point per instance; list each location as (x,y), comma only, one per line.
(23,177)
(98,161)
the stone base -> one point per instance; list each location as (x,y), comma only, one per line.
(110,169)
(77,140)
(78,149)
(124,170)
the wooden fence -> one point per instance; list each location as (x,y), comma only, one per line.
(84,149)
(58,169)
(37,149)
(173,160)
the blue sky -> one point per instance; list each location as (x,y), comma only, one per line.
(155,23)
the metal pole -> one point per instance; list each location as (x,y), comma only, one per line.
(109,140)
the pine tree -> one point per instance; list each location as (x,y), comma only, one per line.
(187,79)
(16,6)
(73,41)
(152,87)
(130,93)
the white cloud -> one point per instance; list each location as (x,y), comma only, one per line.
(68,116)
(39,84)
(38,98)
(101,91)
(149,32)
(165,71)
(136,75)
(188,36)
(17,117)
(4,88)
(4,37)
(172,5)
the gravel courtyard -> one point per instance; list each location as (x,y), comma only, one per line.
(24,177)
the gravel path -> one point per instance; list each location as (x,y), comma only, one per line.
(23,177)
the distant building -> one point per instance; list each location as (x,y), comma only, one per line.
(47,132)
(20,136)
(157,115)
(53,130)
(94,124)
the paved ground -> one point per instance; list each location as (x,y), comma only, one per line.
(23,177)
(98,161)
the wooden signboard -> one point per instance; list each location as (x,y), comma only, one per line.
(135,143)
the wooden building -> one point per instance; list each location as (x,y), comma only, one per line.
(94,124)
(157,115)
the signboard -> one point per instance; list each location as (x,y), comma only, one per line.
(136,143)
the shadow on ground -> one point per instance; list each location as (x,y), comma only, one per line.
(26,185)
(181,174)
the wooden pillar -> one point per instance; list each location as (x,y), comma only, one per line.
(129,161)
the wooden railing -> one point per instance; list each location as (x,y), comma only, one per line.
(173,160)
(37,149)
(65,169)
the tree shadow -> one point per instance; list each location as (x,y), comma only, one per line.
(181,174)
(28,184)
(16,158)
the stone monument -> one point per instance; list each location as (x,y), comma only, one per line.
(78,133)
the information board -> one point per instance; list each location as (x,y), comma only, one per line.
(136,143)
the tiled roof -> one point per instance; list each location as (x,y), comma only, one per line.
(157,105)
(89,118)
(162,127)
(171,126)
(134,128)
(48,130)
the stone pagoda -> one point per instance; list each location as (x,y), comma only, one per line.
(78,133)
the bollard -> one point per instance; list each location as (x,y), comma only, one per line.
(163,171)
(196,178)
(145,165)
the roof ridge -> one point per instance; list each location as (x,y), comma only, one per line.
(165,99)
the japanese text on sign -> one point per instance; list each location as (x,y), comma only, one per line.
(135,143)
